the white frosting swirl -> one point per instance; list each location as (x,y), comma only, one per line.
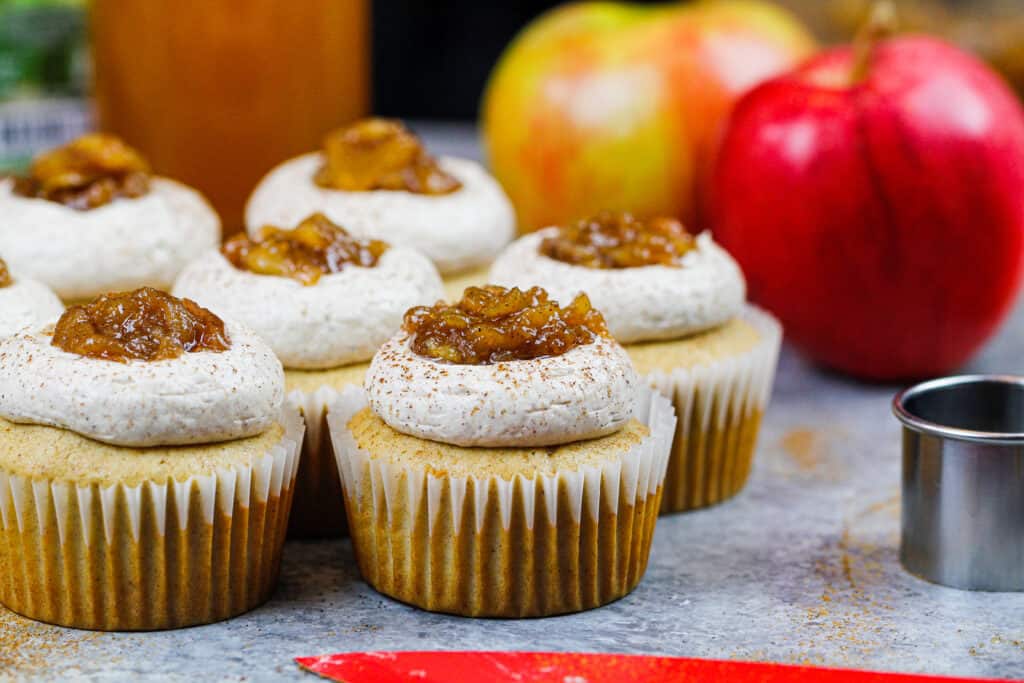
(342,319)
(587,392)
(122,245)
(642,303)
(458,231)
(201,397)
(27,303)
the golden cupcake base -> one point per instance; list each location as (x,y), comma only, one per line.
(151,555)
(491,545)
(708,467)
(719,383)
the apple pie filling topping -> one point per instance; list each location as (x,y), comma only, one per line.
(315,247)
(381,154)
(5,275)
(620,240)
(493,324)
(87,173)
(145,324)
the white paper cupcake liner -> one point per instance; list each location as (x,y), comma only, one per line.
(152,556)
(719,406)
(489,546)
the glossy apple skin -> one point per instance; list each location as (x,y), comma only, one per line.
(882,221)
(600,105)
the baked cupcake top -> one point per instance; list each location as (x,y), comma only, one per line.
(503,368)
(318,296)
(142,368)
(89,217)
(375,178)
(650,278)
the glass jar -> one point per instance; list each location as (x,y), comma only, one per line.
(216,93)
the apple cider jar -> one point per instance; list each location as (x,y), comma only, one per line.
(216,95)
(677,302)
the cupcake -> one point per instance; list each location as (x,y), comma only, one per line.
(324,301)
(24,303)
(90,218)
(503,460)
(146,466)
(677,303)
(375,178)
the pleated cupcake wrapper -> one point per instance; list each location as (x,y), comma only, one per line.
(152,556)
(719,408)
(489,546)
(318,510)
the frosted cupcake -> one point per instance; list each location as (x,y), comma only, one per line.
(146,466)
(90,218)
(24,303)
(325,302)
(375,178)
(677,302)
(504,460)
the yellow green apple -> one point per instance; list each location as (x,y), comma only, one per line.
(600,105)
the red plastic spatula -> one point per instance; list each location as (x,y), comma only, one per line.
(557,667)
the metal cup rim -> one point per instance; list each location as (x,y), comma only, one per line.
(920,424)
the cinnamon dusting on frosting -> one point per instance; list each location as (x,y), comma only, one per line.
(586,392)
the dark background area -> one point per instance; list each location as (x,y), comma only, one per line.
(431,58)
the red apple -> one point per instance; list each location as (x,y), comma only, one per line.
(879,214)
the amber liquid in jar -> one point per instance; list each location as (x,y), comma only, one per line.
(216,93)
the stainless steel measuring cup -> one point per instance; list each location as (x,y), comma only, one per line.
(963,481)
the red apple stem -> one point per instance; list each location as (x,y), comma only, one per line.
(880,25)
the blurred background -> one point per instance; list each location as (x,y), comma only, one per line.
(431,60)
(213,76)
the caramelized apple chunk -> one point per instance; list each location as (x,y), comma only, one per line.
(619,240)
(315,247)
(146,324)
(381,154)
(86,173)
(493,324)
(5,275)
